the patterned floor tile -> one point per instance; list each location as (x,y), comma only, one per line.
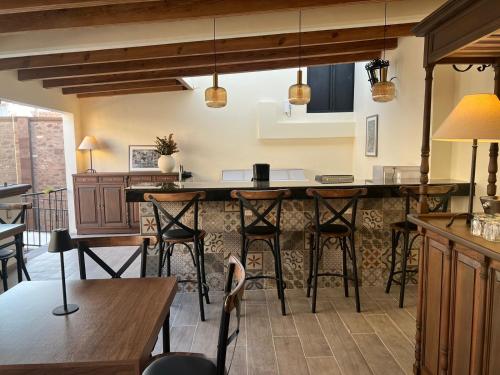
(214,243)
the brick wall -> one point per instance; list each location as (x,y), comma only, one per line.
(7,152)
(32,151)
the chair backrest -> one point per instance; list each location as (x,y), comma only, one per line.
(262,216)
(232,301)
(442,193)
(192,200)
(335,215)
(21,216)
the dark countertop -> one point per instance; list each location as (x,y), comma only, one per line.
(12,190)
(458,233)
(219,191)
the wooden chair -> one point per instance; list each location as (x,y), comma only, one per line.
(84,244)
(172,231)
(442,194)
(262,229)
(15,230)
(335,227)
(193,363)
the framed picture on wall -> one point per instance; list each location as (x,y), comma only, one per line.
(371,147)
(142,158)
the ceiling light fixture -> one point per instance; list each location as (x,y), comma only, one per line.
(299,93)
(215,96)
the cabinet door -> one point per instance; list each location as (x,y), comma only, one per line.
(436,282)
(135,216)
(87,205)
(492,341)
(113,206)
(468,289)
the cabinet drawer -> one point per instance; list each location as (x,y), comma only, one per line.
(136,179)
(112,179)
(166,178)
(86,179)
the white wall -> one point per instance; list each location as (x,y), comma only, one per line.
(213,139)
(400,121)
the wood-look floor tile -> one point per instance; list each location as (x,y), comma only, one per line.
(355,322)
(181,338)
(323,366)
(401,317)
(207,332)
(397,343)
(189,312)
(376,354)
(236,361)
(290,357)
(255,296)
(260,347)
(308,328)
(343,345)
(281,325)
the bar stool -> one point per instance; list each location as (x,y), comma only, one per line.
(335,227)
(171,231)
(262,229)
(441,195)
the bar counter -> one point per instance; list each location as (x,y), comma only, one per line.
(219,217)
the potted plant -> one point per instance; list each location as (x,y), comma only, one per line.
(165,147)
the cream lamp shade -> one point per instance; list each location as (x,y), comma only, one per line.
(88,143)
(475,117)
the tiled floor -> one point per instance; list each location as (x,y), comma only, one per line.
(336,340)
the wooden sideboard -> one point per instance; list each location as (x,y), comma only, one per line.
(458,313)
(100,205)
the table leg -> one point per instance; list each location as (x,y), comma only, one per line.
(166,334)
(19,257)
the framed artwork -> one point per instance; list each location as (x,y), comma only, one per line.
(371,147)
(142,158)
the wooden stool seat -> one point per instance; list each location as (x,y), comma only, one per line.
(11,230)
(400,226)
(261,232)
(181,235)
(7,253)
(330,230)
(182,364)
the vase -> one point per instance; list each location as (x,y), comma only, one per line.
(166,163)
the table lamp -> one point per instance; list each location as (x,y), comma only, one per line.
(60,241)
(476,117)
(89,143)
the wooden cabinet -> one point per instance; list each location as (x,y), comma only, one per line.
(100,205)
(458,313)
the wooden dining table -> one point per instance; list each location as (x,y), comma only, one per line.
(114,331)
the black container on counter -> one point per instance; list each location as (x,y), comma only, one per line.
(260,172)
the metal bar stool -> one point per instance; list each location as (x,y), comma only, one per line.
(262,229)
(409,231)
(335,227)
(15,229)
(171,231)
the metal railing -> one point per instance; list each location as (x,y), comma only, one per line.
(49,211)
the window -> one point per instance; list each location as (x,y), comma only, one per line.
(332,88)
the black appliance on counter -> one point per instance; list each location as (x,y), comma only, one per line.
(261,172)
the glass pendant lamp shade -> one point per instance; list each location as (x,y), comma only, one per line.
(215,96)
(300,93)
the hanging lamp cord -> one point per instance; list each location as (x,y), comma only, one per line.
(215,51)
(300,38)
(385,25)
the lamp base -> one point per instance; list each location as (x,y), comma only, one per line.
(62,311)
(91,171)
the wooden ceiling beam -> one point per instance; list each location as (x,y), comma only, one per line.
(204,47)
(122,86)
(133,91)
(201,71)
(150,11)
(22,6)
(205,60)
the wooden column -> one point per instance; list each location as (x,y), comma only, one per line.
(493,164)
(423,206)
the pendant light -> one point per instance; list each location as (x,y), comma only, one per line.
(384,90)
(300,93)
(215,96)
